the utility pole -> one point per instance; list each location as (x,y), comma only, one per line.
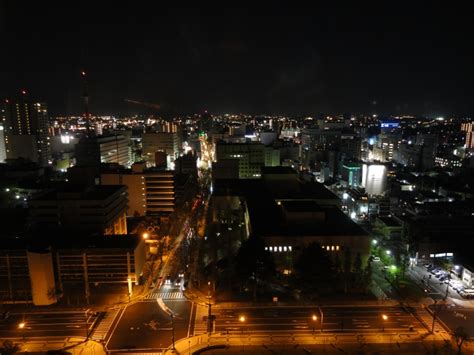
(322,317)
(209,315)
(172,330)
(434,316)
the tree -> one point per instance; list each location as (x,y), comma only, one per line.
(358,263)
(347,260)
(253,260)
(9,348)
(460,335)
(314,268)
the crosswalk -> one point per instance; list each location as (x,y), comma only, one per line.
(103,328)
(165,295)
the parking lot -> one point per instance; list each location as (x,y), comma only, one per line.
(439,283)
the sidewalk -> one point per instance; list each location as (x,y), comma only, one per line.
(74,346)
(284,343)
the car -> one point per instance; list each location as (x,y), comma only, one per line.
(376,258)
(181,274)
(168,280)
(178,282)
(428,266)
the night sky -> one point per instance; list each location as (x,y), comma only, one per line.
(304,61)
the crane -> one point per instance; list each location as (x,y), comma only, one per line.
(146,104)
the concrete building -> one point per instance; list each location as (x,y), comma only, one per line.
(93,151)
(44,267)
(167,142)
(251,157)
(100,209)
(153,192)
(352,174)
(26,130)
(374,178)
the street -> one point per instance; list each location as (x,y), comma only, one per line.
(300,319)
(145,326)
(46,324)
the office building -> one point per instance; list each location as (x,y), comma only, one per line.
(251,157)
(100,209)
(76,266)
(151,192)
(374,178)
(468,128)
(26,130)
(93,151)
(351,174)
(167,142)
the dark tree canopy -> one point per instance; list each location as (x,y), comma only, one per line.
(252,255)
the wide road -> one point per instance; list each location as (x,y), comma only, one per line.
(146,326)
(300,319)
(455,317)
(47,324)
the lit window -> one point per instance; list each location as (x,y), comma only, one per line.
(332,247)
(284,249)
(289,248)
(327,247)
(337,247)
(279,249)
(266,248)
(271,248)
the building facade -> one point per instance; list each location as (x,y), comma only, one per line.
(26,130)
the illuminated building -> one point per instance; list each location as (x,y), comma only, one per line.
(155,192)
(161,141)
(93,151)
(251,157)
(468,128)
(374,178)
(26,130)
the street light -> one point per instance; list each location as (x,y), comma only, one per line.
(172,330)
(315,318)
(242,320)
(145,235)
(209,315)
(21,325)
(388,252)
(384,319)
(374,241)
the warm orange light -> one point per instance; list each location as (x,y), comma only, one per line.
(384,317)
(242,319)
(315,317)
(145,235)
(21,325)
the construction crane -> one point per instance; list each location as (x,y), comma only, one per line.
(146,104)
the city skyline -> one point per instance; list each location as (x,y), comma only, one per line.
(279,61)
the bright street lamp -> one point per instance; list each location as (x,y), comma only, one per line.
(21,325)
(314,318)
(388,252)
(384,319)
(374,241)
(145,235)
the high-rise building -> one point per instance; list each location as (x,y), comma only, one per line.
(153,192)
(167,142)
(26,130)
(374,178)
(92,151)
(468,128)
(71,207)
(251,157)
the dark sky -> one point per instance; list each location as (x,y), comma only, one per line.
(406,59)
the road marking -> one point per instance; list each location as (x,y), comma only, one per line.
(104,326)
(116,324)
